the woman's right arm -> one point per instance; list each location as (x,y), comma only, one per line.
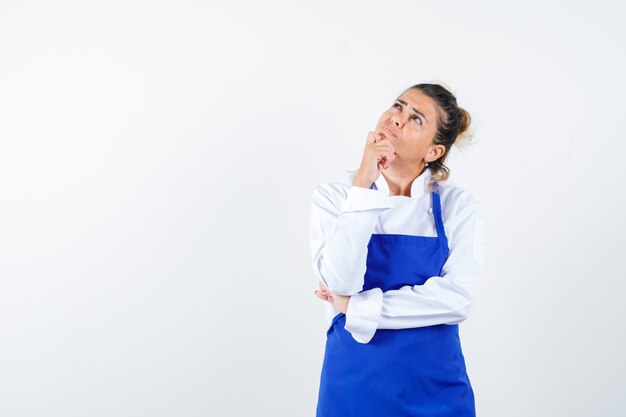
(342,223)
(340,230)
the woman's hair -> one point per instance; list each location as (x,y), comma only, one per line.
(452,125)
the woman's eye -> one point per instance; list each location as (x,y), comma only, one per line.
(416,118)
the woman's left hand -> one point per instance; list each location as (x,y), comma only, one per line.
(339,301)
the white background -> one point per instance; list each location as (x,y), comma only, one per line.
(157,161)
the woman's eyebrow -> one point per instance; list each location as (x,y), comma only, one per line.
(414,109)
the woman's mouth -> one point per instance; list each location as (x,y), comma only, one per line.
(388,132)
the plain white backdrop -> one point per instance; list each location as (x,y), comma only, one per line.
(157,161)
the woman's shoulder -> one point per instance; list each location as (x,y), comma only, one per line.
(334,191)
(455,197)
(460,210)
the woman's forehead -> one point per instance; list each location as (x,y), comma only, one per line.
(416,98)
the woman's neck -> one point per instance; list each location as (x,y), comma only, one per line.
(400,182)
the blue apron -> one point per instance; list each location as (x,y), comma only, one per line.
(400,372)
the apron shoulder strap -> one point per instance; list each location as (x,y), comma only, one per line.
(437,211)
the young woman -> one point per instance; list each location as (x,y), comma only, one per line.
(398,253)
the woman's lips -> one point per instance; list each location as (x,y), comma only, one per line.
(386,130)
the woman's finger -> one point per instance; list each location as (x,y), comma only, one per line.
(372,137)
(324,295)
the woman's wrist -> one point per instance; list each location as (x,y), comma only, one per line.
(361,183)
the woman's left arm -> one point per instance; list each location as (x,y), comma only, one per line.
(445,299)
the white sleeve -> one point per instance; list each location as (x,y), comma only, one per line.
(445,299)
(340,231)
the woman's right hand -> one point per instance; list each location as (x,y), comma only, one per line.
(378,155)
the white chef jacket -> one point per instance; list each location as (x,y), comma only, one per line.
(343,218)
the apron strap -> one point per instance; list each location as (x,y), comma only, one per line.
(437,211)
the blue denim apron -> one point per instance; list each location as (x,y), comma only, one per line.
(400,372)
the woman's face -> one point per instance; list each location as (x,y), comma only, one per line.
(410,124)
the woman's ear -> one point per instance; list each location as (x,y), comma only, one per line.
(435,152)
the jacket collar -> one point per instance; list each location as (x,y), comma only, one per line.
(418,187)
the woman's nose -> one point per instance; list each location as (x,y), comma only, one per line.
(396,120)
